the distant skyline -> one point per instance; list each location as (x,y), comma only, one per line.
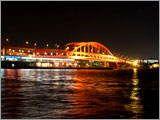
(124,27)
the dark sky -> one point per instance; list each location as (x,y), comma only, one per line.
(127,28)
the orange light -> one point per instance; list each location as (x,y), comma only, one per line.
(155,65)
(135,63)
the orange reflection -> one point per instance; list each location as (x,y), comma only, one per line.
(135,105)
(11,93)
(92,95)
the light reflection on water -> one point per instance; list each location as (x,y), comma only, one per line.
(71,93)
(135,105)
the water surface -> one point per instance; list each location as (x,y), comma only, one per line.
(79,93)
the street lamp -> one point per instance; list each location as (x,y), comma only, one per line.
(35,44)
(47,45)
(27,42)
(56,45)
(7,40)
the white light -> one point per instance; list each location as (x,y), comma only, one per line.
(48,58)
(38,64)
(12,65)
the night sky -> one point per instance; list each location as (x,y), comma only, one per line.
(127,28)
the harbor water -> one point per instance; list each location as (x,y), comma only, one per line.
(79,93)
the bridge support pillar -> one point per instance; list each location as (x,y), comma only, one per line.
(106,64)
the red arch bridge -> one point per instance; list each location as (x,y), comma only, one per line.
(76,54)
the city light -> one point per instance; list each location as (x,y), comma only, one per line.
(135,63)
(75,64)
(155,65)
(27,42)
